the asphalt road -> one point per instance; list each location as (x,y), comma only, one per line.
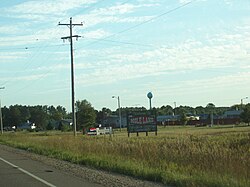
(17,170)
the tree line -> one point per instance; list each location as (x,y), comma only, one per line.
(87,116)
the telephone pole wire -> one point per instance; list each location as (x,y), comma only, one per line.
(71,25)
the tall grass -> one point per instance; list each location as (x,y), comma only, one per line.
(178,156)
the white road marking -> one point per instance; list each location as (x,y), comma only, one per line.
(28,173)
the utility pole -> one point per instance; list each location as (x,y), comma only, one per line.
(241,102)
(1,117)
(1,120)
(119,108)
(71,25)
(174,108)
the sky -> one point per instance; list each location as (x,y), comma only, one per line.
(192,52)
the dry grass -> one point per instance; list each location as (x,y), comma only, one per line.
(180,156)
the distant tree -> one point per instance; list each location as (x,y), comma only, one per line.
(85,115)
(183,118)
(165,110)
(6,117)
(60,126)
(210,108)
(131,110)
(56,113)
(200,110)
(50,110)
(49,126)
(101,115)
(245,115)
(15,116)
(235,107)
(62,111)
(25,113)
(184,109)
(220,110)
(66,128)
(39,116)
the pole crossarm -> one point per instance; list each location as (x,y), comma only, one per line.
(79,24)
(71,25)
(67,37)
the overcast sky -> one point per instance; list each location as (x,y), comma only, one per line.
(188,52)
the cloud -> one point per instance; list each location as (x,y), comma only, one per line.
(46,7)
(224,52)
(96,34)
(9,29)
(25,78)
(43,23)
(114,10)
(7,56)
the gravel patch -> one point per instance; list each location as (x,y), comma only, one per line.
(104,178)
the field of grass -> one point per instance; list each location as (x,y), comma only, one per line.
(178,156)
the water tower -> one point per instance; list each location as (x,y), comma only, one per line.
(150,96)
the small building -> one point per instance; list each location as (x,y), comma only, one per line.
(232,114)
(26,126)
(167,120)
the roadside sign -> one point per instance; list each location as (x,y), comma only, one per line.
(142,123)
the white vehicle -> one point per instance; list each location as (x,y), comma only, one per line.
(99,131)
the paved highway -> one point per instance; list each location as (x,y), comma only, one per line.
(17,170)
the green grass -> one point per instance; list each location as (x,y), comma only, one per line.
(179,156)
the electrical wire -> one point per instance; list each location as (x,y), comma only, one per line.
(142,23)
(130,28)
(40,78)
(26,48)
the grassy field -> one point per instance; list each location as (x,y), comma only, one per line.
(178,156)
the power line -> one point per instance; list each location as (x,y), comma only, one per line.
(142,23)
(122,42)
(26,48)
(94,5)
(33,82)
(29,62)
(156,17)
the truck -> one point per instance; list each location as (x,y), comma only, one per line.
(99,131)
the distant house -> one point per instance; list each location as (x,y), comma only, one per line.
(232,114)
(66,122)
(26,126)
(229,117)
(168,119)
(55,125)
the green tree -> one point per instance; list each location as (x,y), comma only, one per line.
(85,115)
(165,110)
(183,118)
(15,116)
(62,111)
(101,115)
(56,113)
(39,116)
(184,109)
(245,115)
(200,110)
(211,108)
(49,126)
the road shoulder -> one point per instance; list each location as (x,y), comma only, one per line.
(104,178)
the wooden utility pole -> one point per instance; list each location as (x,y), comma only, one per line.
(71,25)
(1,117)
